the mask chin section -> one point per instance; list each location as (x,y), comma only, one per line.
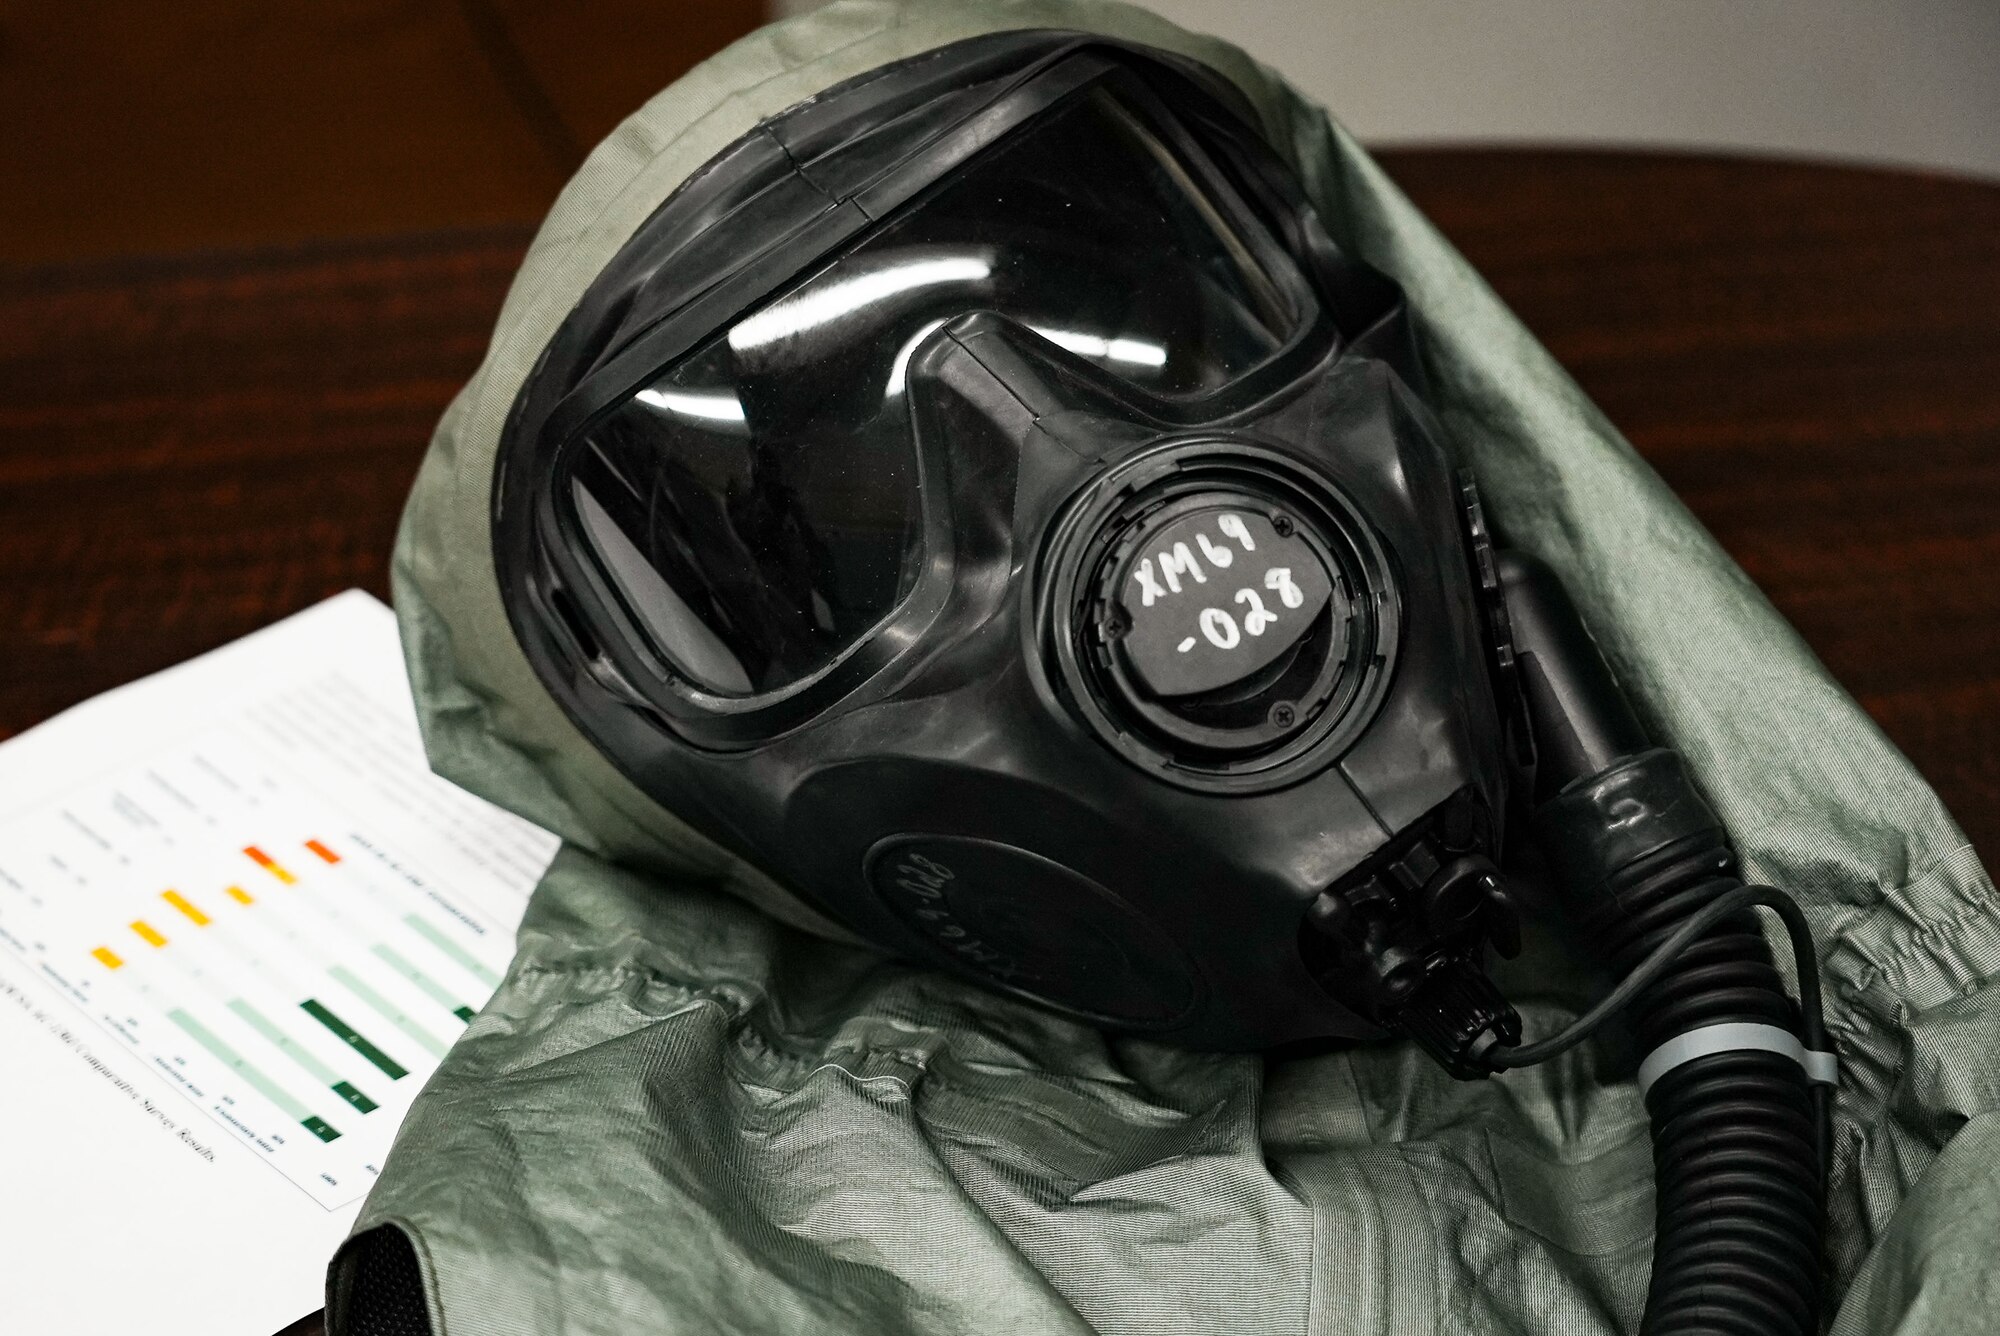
(1219,615)
(1402,940)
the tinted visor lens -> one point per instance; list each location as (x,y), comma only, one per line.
(757,505)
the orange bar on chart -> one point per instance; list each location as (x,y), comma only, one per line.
(269,864)
(110,959)
(148,933)
(180,902)
(241,896)
(325,853)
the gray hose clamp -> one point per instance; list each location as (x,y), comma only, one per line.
(1735,1036)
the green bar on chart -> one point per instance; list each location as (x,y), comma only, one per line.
(458,953)
(284,1043)
(432,989)
(389,1011)
(261,1083)
(354,1039)
(354,1097)
(300,1054)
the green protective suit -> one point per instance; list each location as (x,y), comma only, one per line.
(696,1106)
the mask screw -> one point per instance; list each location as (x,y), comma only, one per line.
(1284,714)
(1284,525)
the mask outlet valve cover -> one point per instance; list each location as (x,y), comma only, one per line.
(1225,613)
(1214,594)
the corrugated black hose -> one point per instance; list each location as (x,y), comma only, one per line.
(1737,1073)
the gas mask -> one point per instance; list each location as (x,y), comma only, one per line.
(985,498)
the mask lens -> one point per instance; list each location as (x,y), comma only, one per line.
(749,561)
(757,505)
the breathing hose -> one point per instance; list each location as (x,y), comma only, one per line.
(1738,1078)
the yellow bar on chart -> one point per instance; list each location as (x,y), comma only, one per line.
(110,959)
(269,864)
(180,902)
(148,932)
(241,896)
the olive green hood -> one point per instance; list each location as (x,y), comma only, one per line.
(693,1106)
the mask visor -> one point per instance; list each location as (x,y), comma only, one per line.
(758,506)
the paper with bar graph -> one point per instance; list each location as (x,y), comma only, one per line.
(236,897)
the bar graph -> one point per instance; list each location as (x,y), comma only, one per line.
(303,1056)
(452,949)
(431,988)
(269,864)
(354,1039)
(263,1084)
(287,957)
(188,911)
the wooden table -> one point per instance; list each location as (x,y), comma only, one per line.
(194,446)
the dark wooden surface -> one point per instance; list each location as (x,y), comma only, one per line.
(1811,357)
(193,446)
(136,126)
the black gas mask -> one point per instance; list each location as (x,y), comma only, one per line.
(985,498)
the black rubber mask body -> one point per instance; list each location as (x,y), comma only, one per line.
(985,500)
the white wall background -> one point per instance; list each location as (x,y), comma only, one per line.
(1914,82)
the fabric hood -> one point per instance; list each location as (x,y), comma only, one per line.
(603,1151)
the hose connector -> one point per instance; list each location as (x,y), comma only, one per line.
(1601,824)
(1456,1015)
